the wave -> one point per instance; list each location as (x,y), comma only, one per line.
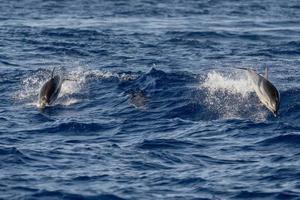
(163,144)
(211,96)
(13,155)
(288,139)
(73,128)
(71,33)
(70,90)
(256,194)
(58,194)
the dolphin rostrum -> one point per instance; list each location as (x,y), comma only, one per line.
(50,90)
(265,90)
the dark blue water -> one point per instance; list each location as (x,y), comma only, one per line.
(157,110)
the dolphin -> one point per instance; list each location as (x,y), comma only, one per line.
(138,98)
(265,90)
(50,90)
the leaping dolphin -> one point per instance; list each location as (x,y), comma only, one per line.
(50,90)
(265,90)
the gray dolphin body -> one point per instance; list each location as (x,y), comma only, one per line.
(265,90)
(138,98)
(50,90)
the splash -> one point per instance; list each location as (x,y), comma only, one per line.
(231,96)
(236,83)
(74,83)
(77,80)
(29,88)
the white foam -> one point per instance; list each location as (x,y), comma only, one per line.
(236,83)
(230,96)
(99,74)
(68,101)
(29,87)
(77,80)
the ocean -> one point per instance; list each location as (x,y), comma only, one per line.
(155,107)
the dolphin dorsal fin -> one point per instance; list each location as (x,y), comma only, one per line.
(52,72)
(266,73)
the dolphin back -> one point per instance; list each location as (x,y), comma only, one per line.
(51,89)
(272,92)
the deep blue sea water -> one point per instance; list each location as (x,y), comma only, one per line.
(157,109)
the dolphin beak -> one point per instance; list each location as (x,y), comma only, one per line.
(42,104)
(275,114)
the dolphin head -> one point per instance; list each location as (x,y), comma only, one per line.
(272,97)
(274,105)
(265,90)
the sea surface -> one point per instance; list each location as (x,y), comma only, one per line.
(155,107)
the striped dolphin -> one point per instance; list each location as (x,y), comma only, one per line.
(265,90)
(50,90)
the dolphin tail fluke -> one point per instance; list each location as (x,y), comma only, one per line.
(266,73)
